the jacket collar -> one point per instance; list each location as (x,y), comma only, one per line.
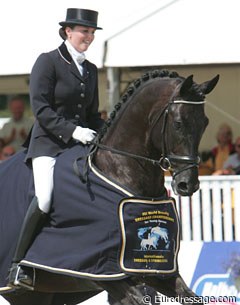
(63,51)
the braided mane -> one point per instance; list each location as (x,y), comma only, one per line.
(129,92)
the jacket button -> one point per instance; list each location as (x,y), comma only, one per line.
(82,95)
(79,106)
(60,136)
(77,116)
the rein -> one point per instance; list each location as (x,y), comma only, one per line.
(166,159)
(125,153)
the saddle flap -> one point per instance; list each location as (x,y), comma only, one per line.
(150,236)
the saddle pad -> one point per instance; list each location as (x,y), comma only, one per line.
(150,236)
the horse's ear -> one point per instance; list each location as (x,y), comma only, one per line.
(186,85)
(208,86)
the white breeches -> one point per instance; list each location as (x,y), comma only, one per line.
(43,168)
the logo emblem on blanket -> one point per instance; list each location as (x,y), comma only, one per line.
(150,236)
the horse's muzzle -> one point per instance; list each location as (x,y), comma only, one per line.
(184,188)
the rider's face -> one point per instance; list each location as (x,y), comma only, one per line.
(80,37)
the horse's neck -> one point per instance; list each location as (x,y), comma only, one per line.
(140,176)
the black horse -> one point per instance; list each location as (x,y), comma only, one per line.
(157,126)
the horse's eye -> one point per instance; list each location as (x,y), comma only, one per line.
(177,125)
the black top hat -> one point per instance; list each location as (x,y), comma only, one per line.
(79,16)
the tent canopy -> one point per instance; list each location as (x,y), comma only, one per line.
(179,32)
(135,33)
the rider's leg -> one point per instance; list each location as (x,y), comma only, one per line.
(43,168)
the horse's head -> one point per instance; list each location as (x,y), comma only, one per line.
(161,115)
(183,122)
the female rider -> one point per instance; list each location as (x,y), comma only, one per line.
(64,100)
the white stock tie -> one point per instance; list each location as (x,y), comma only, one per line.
(80,58)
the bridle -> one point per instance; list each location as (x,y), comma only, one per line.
(165,161)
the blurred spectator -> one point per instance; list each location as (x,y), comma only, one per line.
(104,115)
(214,159)
(15,131)
(1,146)
(7,152)
(232,164)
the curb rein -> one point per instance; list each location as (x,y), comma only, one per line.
(165,161)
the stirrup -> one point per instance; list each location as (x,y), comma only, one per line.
(19,282)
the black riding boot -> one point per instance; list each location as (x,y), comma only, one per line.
(31,226)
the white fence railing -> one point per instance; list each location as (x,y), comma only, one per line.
(213,212)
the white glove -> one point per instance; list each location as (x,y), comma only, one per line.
(83,135)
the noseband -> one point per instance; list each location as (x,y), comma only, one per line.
(165,161)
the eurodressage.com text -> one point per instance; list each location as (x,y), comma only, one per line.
(159,299)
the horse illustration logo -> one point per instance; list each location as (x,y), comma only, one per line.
(154,235)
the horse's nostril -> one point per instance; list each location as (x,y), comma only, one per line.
(182,186)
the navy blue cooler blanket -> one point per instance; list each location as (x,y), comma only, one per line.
(83,235)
